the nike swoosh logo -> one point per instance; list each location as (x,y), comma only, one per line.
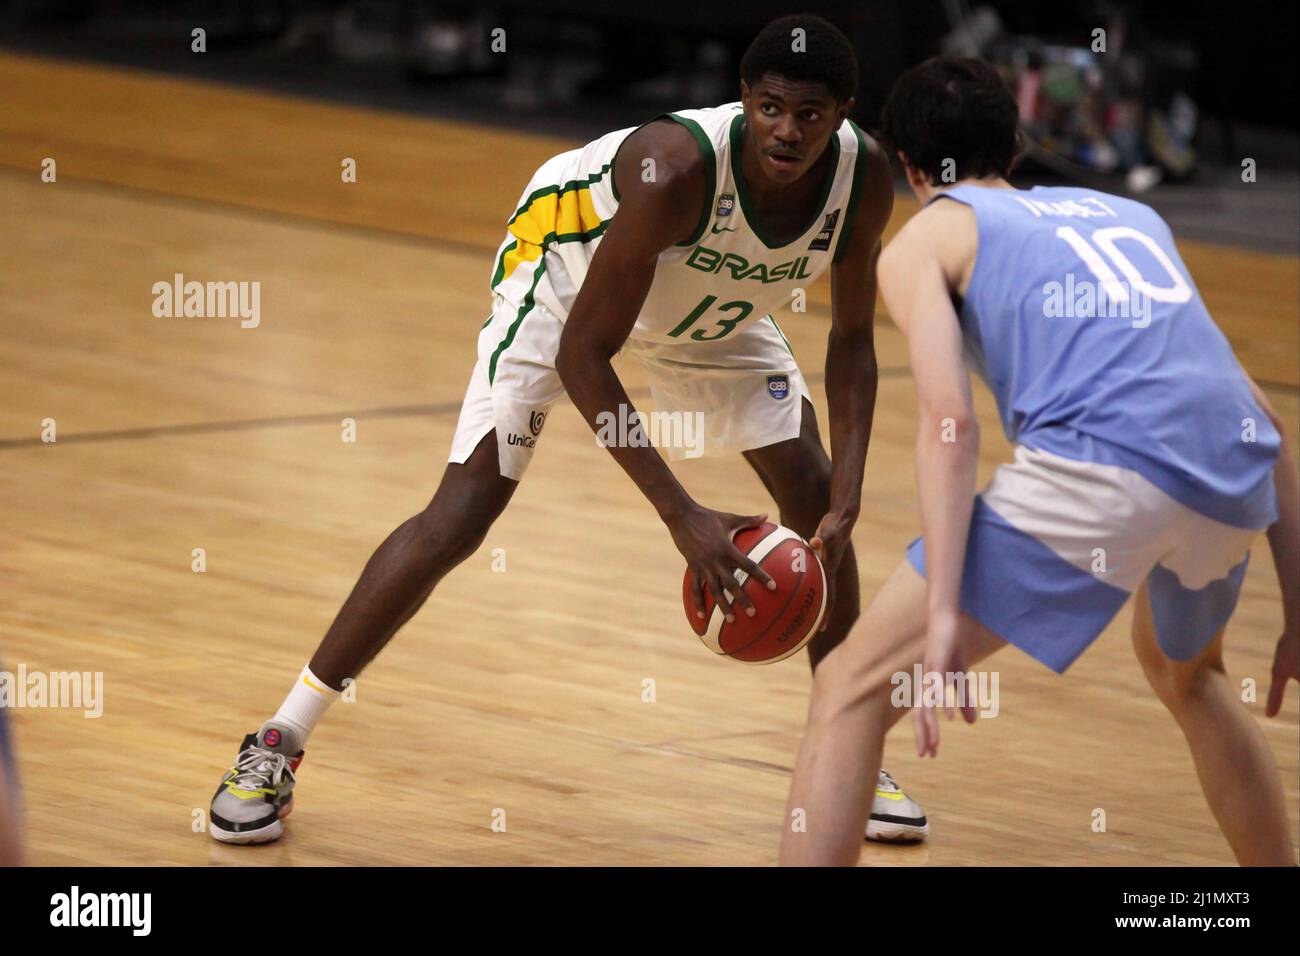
(717,229)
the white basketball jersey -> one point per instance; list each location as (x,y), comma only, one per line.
(727,274)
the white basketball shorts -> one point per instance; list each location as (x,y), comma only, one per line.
(740,392)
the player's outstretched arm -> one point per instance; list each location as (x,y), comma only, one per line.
(1284,542)
(917,276)
(851,370)
(654,213)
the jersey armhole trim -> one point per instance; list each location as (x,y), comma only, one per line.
(711,172)
(855,193)
(710,165)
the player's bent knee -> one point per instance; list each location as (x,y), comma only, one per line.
(818,492)
(847,702)
(453,525)
(805,499)
(452,538)
(1178,683)
(848,678)
(815,480)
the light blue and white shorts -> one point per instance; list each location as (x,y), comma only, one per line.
(1057,546)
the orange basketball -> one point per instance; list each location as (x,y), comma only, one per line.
(785,619)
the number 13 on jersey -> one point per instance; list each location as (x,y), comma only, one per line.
(725,324)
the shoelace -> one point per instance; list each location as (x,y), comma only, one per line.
(257,767)
(886,782)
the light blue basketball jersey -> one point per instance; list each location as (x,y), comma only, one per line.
(1084,323)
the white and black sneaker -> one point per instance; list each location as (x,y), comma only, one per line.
(257,791)
(895,817)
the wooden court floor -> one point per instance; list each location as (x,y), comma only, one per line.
(518,690)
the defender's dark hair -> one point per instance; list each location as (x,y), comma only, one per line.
(825,55)
(953,108)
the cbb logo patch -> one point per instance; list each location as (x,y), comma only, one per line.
(778,386)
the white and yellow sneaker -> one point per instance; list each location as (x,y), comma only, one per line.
(256,793)
(895,817)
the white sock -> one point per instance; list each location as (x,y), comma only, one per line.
(305,704)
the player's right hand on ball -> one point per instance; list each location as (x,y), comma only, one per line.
(703,536)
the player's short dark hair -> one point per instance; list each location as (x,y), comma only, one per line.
(826,55)
(953,108)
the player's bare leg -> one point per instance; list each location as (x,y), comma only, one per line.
(1233,761)
(403,571)
(797,474)
(848,715)
(256,793)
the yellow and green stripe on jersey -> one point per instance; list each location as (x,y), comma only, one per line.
(560,213)
(552,214)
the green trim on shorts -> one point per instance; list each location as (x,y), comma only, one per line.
(519,318)
(782,334)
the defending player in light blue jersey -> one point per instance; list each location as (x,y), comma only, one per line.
(1146,462)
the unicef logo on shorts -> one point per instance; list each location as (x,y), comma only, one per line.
(778,386)
(535,422)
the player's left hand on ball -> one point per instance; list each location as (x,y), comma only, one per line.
(829,544)
(945,656)
(831,539)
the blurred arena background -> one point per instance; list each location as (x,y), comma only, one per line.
(223,163)
(1176,92)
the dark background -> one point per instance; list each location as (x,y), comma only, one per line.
(1246,73)
(577,69)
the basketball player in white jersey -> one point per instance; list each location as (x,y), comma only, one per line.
(671,243)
